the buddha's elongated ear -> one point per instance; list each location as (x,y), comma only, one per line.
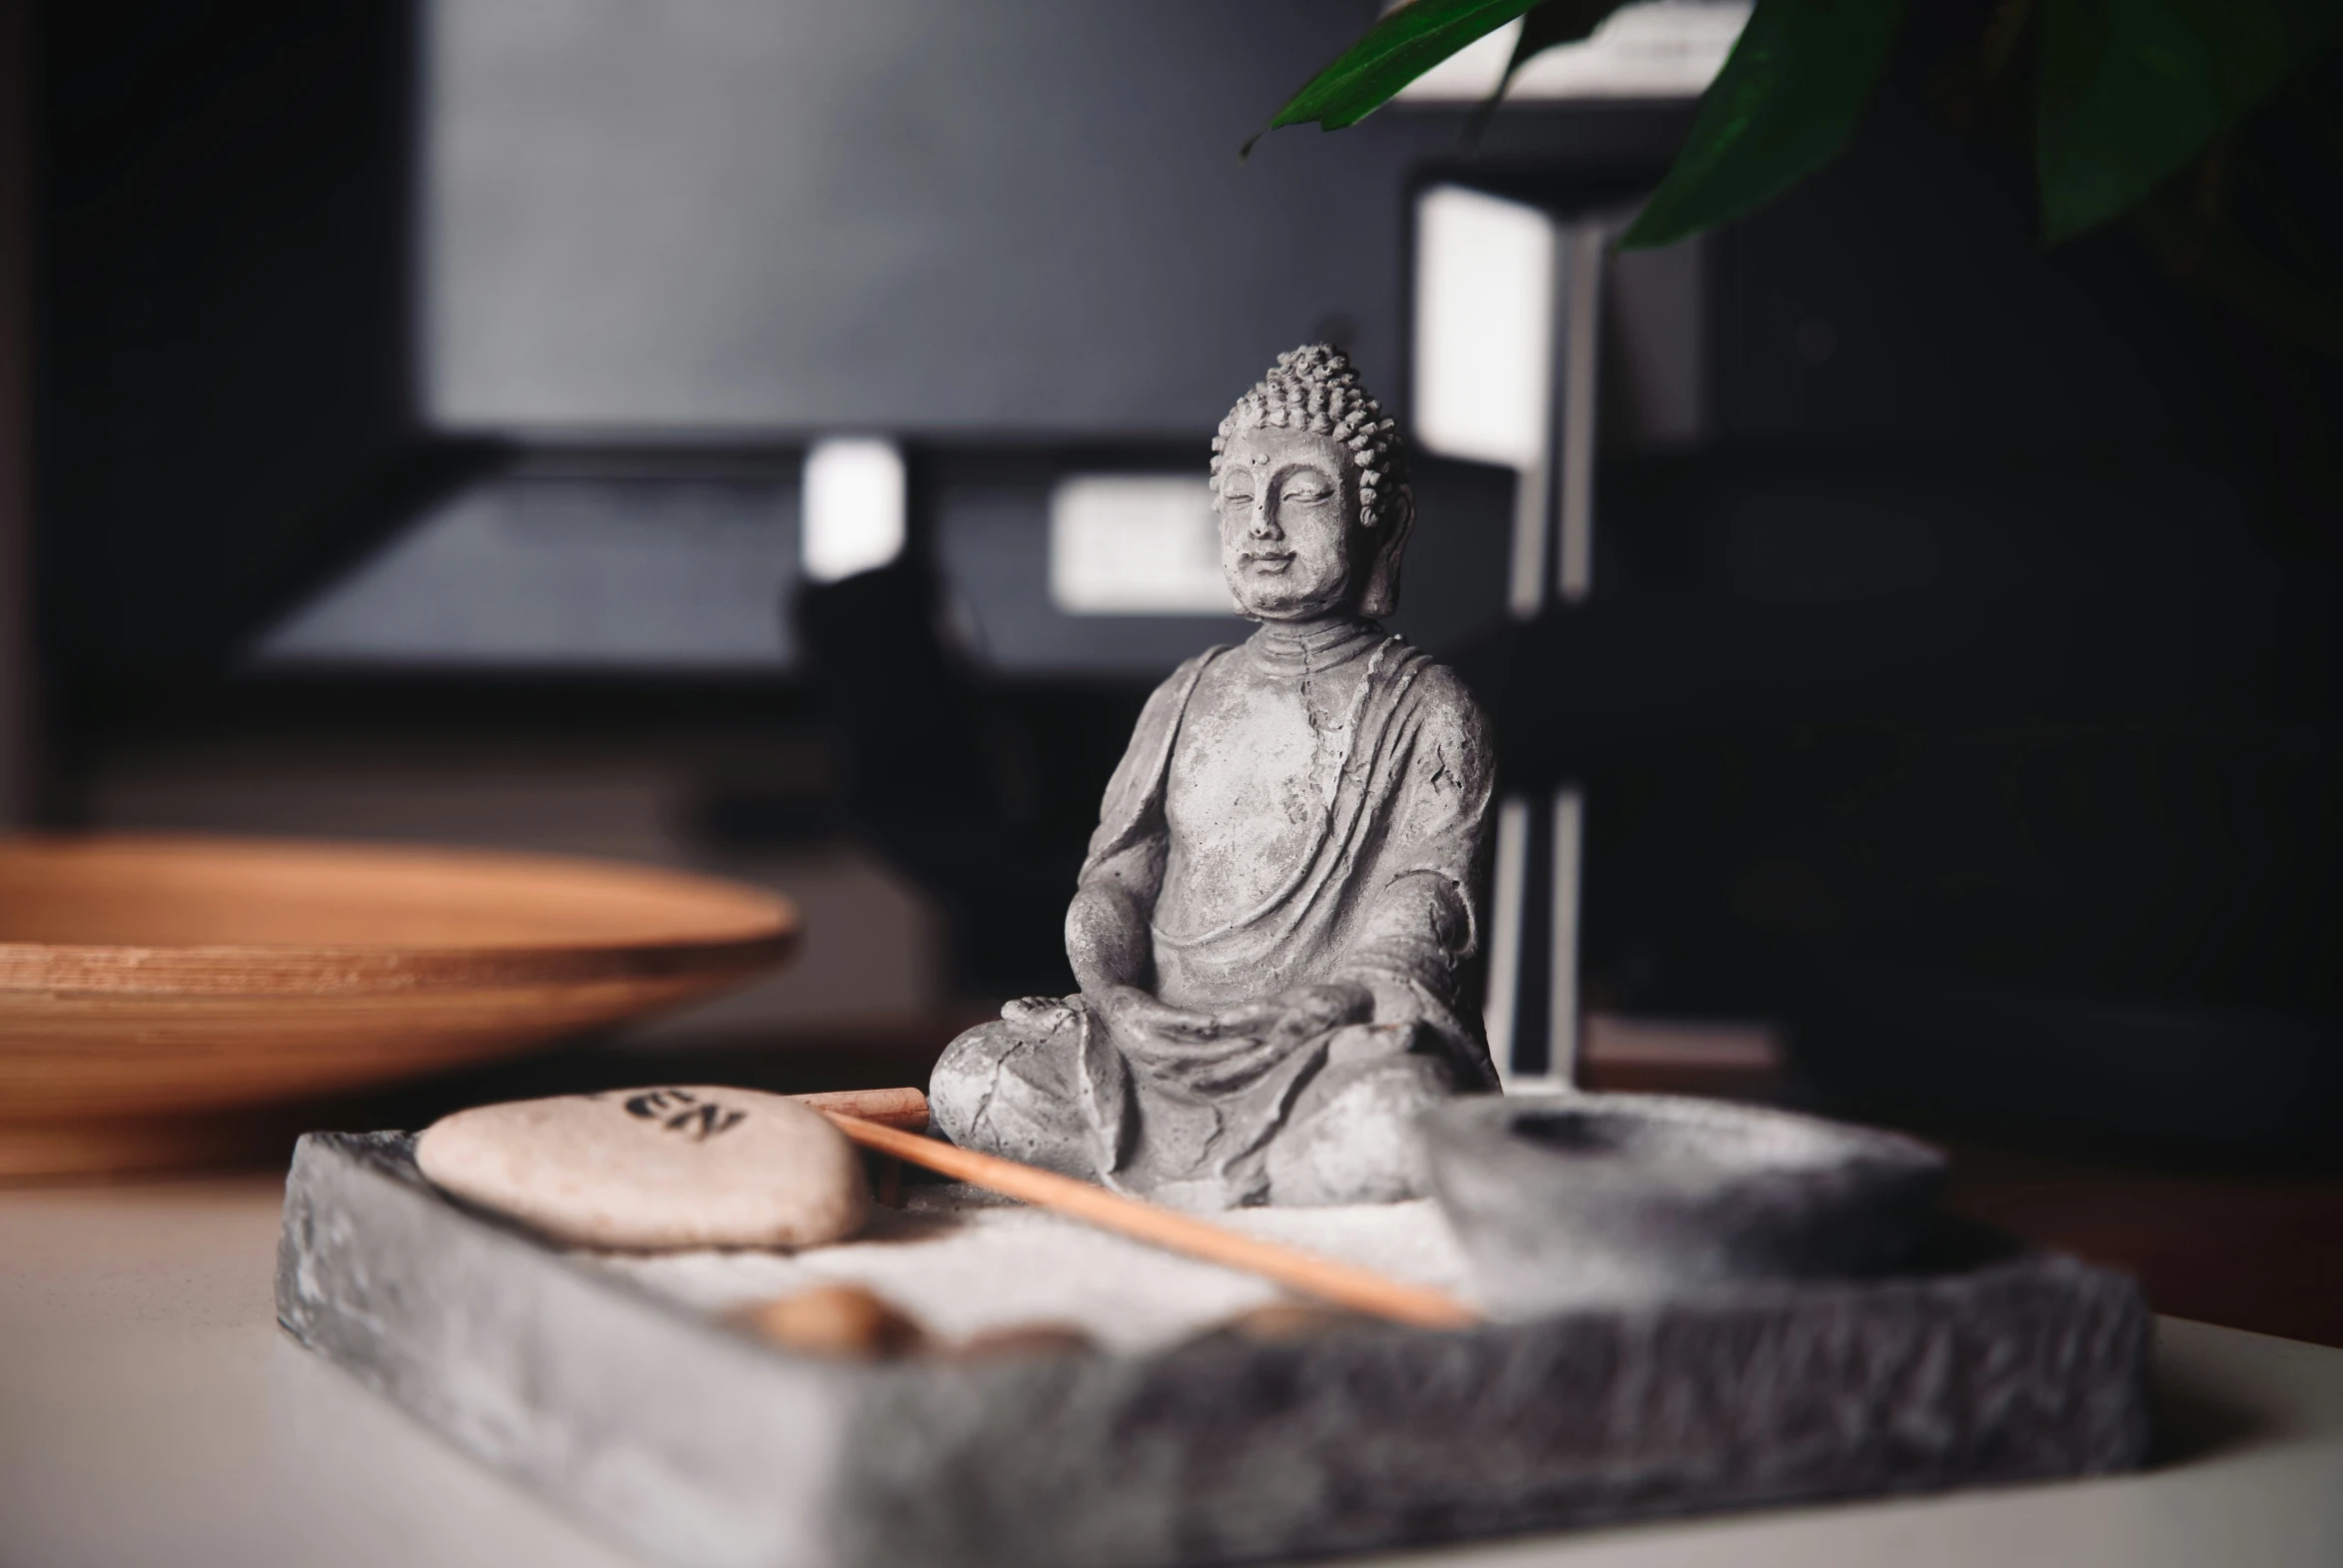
(1395,519)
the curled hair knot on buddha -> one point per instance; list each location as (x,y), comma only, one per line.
(1315,387)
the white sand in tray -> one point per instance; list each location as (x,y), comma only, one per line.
(963,1262)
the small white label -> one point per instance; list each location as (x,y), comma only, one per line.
(1136,544)
(853,514)
(1484,326)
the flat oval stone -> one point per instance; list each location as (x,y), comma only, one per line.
(655,1170)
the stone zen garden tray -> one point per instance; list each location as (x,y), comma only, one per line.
(615,1386)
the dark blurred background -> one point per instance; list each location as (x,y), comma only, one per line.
(420,399)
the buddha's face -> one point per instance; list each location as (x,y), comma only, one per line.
(1289,525)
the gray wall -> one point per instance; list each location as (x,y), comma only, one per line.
(679,563)
(925,216)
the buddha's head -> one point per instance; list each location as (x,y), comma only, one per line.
(1312,497)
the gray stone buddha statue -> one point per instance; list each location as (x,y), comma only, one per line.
(1272,928)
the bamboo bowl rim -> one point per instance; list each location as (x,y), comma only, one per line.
(571,919)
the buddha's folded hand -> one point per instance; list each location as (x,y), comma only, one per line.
(1178,1046)
(1213,1053)
(1302,1013)
(1132,1015)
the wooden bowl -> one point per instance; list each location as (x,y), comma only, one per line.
(151,986)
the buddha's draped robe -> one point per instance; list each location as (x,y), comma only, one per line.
(1384,896)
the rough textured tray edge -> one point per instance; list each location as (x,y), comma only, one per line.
(703,1448)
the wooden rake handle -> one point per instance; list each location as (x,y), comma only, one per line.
(902,1107)
(1360,1289)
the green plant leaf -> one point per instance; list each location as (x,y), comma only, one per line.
(2130,91)
(1549,25)
(2217,257)
(1398,49)
(1784,104)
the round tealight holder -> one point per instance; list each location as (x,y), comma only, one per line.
(1570,1199)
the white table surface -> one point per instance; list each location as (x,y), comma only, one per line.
(152,1413)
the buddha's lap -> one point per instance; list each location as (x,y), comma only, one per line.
(1033,1072)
